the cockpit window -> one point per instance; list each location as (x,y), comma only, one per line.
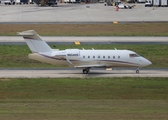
(134,55)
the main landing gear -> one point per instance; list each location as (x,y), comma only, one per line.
(86,71)
(137,71)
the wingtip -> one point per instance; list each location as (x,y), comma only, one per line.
(18,33)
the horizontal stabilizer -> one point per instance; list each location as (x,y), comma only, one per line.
(25,33)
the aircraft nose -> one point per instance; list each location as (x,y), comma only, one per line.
(147,62)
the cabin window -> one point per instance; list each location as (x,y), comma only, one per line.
(98,56)
(103,56)
(114,57)
(118,57)
(88,56)
(108,57)
(83,56)
(93,56)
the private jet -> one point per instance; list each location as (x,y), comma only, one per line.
(83,59)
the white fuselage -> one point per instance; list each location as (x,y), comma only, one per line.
(92,58)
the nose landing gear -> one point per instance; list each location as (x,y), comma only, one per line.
(137,71)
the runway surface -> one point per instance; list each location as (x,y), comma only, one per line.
(77,73)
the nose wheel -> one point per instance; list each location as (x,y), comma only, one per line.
(86,71)
(137,71)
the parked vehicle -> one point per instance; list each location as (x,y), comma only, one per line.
(101,1)
(127,6)
(124,6)
(148,4)
(121,6)
(24,1)
(164,3)
(9,2)
(46,2)
(141,1)
(157,2)
(71,1)
(31,2)
(131,1)
(112,2)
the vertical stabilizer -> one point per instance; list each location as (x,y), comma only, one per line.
(34,41)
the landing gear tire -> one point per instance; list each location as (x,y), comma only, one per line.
(137,71)
(86,71)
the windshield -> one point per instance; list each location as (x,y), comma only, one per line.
(134,55)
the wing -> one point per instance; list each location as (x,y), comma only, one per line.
(91,66)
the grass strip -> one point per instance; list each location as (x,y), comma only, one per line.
(84,88)
(82,98)
(84,109)
(142,29)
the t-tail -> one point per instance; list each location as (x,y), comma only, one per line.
(34,41)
